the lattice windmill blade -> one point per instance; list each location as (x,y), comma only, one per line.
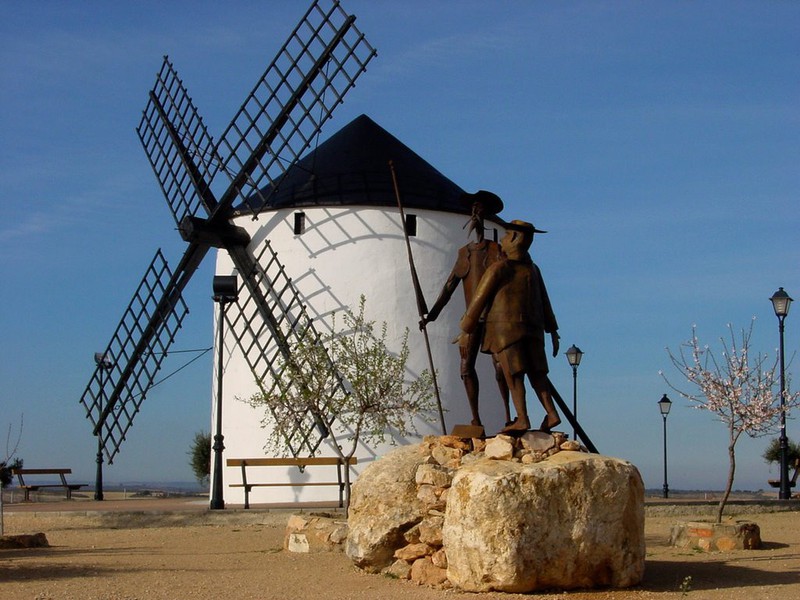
(283,115)
(180,150)
(312,72)
(262,342)
(134,355)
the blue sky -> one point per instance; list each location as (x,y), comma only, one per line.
(658,143)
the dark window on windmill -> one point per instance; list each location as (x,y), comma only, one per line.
(299,223)
(411,225)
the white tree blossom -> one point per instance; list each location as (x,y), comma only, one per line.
(738,388)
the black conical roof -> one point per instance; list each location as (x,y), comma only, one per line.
(352,168)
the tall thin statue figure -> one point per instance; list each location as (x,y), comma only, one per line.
(472,262)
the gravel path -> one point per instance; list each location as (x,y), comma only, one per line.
(148,552)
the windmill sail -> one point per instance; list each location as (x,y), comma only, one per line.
(278,121)
(178,146)
(121,381)
(285,111)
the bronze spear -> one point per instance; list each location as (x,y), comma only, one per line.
(422,307)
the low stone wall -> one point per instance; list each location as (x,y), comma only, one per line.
(722,537)
(315,532)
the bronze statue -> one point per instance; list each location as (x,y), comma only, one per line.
(472,262)
(519,314)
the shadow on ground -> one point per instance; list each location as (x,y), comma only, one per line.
(669,575)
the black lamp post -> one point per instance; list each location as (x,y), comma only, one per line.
(226,290)
(574,356)
(664,405)
(105,364)
(781,303)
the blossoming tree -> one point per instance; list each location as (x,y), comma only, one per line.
(357,390)
(738,388)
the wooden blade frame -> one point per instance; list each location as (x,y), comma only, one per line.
(133,356)
(276,124)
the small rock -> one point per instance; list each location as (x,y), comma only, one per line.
(412,535)
(537,441)
(447,457)
(500,448)
(430,531)
(439,558)
(399,569)
(451,441)
(424,572)
(413,551)
(426,494)
(434,475)
(297,542)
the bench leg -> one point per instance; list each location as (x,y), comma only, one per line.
(247,497)
(341,483)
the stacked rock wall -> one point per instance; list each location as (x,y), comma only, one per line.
(507,514)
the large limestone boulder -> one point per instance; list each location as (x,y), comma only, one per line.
(575,520)
(384,504)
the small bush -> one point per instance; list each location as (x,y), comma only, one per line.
(773,452)
(200,457)
(5,471)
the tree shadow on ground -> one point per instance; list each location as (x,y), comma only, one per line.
(51,563)
(670,575)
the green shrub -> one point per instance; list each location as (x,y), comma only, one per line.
(773,452)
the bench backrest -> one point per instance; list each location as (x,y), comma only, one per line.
(41,471)
(288,462)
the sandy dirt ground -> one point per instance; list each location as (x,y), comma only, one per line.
(188,552)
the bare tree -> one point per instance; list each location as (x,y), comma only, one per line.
(738,388)
(376,399)
(7,464)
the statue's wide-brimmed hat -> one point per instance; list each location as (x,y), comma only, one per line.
(492,204)
(522,226)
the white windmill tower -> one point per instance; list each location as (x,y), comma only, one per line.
(335,224)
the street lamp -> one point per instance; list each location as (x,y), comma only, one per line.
(574,356)
(664,405)
(226,290)
(781,303)
(105,365)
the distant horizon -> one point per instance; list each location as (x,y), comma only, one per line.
(194,486)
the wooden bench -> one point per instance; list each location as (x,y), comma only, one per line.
(776,483)
(301,463)
(62,473)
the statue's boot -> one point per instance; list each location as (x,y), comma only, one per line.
(551,419)
(549,422)
(517,426)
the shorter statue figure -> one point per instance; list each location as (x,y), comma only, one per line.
(519,314)
(472,262)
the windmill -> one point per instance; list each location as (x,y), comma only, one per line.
(203,182)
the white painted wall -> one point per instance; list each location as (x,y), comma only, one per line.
(343,253)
